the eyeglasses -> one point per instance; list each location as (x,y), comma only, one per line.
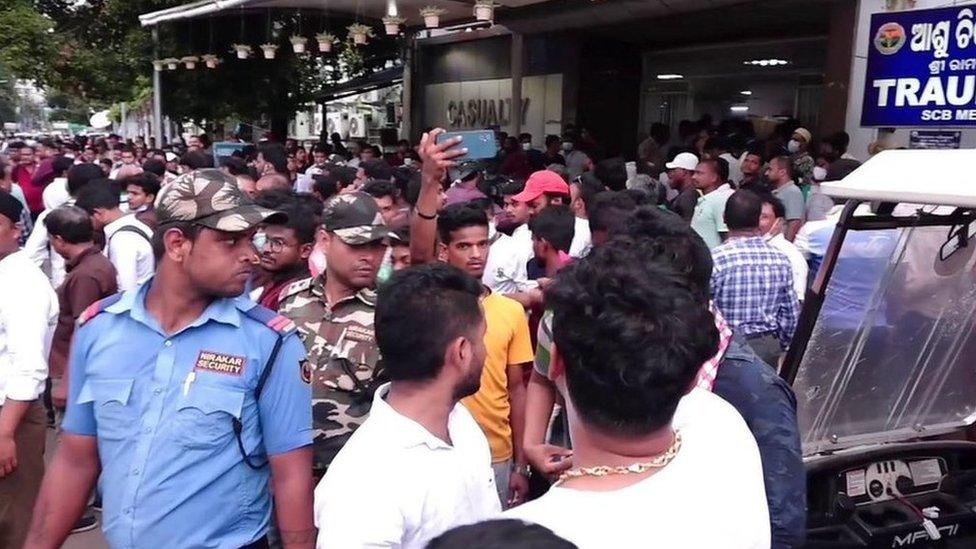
(276,244)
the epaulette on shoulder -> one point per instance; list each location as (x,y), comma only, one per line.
(281,324)
(296,287)
(97,308)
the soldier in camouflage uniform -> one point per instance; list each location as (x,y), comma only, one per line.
(334,315)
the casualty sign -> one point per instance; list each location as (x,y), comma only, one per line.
(922,68)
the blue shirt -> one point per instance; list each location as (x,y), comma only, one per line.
(172,474)
(752,285)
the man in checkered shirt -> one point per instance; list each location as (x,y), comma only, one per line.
(752,281)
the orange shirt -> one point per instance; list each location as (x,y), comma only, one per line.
(507,342)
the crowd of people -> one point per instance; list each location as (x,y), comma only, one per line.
(550,348)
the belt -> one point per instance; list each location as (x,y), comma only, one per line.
(760,335)
(261,543)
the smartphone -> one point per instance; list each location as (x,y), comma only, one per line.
(480,143)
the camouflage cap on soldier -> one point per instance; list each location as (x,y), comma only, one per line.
(211,198)
(355,219)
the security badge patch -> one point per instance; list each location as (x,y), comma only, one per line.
(220,363)
(306,371)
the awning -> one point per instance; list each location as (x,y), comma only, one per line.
(376,81)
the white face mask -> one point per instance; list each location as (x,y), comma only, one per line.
(819,173)
(664,179)
(526,146)
(567,146)
(774,231)
(793,146)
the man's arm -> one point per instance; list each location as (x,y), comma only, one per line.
(518,483)
(540,398)
(36,245)
(292,475)
(11,413)
(793,227)
(437,159)
(65,491)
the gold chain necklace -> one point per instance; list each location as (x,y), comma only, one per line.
(633,469)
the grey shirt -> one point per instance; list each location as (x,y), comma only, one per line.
(792,198)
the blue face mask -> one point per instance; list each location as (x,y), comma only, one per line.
(259,240)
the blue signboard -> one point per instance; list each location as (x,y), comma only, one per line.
(922,68)
(224,149)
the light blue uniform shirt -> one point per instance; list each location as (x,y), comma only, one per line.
(172,473)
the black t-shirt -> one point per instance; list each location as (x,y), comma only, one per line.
(684,204)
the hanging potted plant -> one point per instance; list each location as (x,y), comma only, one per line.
(211,60)
(360,33)
(243,50)
(190,61)
(432,16)
(484,10)
(392,24)
(325,41)
(159,65)
(172,63)
(298,43)
(269,50)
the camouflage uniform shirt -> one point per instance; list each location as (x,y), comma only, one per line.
(343,357)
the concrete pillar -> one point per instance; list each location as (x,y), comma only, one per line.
(518,59)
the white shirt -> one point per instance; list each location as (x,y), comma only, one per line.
(28,316)
(394,484)
(582,240)
(797,262)
(131,254)
(506,269)
(735,167)
(711,494)
(56,194)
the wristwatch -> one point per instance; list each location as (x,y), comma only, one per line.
(524,470)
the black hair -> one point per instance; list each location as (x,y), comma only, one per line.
(612,172)
(127,149)
(550,139)
(303,218)
(437,296)
(146,181)
(377,169)
(608,210)
(459,216)
(779,210)
(633,332)
(500,534)
(483,204)
(326,186)
(61,164)
(556,225)
(80,175)
(716,143)
(402,236)
(197,160)
(671,240)
(512,188)
(235,166)
(661,133)
(274,153)
(71,223)
(154,166)
(189,229)
(106,162)
(720,166)
(322,147)
(97,196)
(525,136)
(839,141)
(378,188)
(742,211)
(343,174)
(787,163)
(589,187)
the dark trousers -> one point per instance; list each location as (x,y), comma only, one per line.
(18,490)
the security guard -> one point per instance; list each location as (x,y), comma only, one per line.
(186,396)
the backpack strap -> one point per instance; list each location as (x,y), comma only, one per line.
(97,308)
(132,229)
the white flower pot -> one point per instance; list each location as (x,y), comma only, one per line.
(325,47)
(158,66)
(190,64)
(484,13)
(298,45)
(432,21)
(269,51)
(359,39)
(243,54)
(211,63)
(172,66)
(392,29)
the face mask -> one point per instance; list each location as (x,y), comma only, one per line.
(819,173)
(259,240)
(526,146)
(793,146)
(567,146)
(773,231)
(664,179)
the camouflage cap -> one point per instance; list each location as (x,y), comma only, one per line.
(355,219)
(211,198)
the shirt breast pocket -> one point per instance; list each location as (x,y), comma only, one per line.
(205,416)
(114,414)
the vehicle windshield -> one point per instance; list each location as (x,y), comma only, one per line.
(891,355)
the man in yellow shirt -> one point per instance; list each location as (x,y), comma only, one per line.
(499,405)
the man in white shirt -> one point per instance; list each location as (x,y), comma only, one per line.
(128,241)
(771,223)
(419,465)
(582,190)
(28,316)
(625,369)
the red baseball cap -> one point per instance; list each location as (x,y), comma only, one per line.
(539,183)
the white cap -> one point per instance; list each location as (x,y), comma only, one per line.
(171,157)
(685,161)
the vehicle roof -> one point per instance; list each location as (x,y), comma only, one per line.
(939,177)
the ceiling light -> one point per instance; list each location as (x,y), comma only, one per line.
(670,76)
(766,62)
(746,92)
(739,108)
